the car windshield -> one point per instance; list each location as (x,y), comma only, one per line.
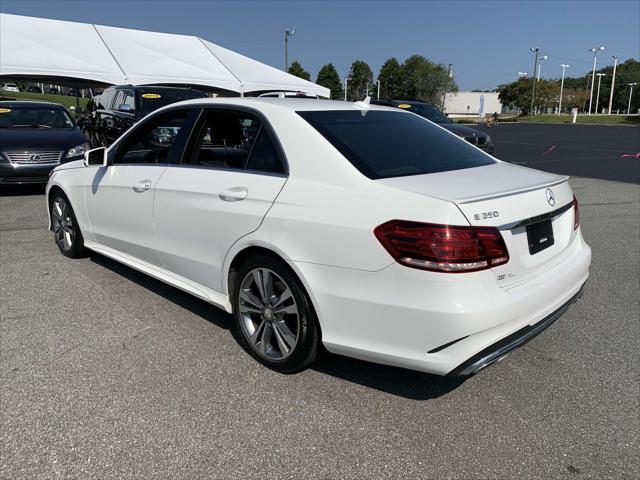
(383,144)
(23,116)
(427,111)
(152,99)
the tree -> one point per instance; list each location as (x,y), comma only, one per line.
(390,78)
(360,77)
(297,70)
(425,80)
(328,77)
(518,94)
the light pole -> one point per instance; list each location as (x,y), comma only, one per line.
(378,95)
(600,75)
(631,85)
(287,34)
(540,65)
(595,51)
(346,82)
(535,50)
(613,81)
(564,67)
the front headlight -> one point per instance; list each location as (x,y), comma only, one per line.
(77,151)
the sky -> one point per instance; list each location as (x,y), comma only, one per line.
(487,42)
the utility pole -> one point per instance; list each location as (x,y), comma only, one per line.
(564,67)
(613,81)
(600,75)
(378,95)
(533,77)
(631,85)
(595,51)
(444,94)
(346,82)
(287,34)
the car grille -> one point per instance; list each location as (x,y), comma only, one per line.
(34,158)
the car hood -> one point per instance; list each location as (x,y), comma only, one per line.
(40,138)
(462,130)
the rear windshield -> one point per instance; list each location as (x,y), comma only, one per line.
(152,99)
(23,116)
(394,144)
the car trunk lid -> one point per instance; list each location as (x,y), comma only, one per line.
(532,209)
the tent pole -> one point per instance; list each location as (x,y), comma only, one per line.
(77,101)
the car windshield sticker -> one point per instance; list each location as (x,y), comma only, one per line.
(404,105)
(151,95)
(5,110)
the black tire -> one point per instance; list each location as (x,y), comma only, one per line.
(66,231)
(304,327)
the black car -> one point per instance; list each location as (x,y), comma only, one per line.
(471,135)
(34,89)
(35,137)
(118,108)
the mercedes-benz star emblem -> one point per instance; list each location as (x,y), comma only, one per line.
(551,199)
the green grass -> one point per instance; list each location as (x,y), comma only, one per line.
(45,97)
(583,119)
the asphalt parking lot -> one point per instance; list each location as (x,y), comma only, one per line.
(106,373)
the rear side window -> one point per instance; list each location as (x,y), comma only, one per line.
(394,144)
(106,98)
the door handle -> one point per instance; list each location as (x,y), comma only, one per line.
(234,194)
(142,186)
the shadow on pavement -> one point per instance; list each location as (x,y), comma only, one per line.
(396,381)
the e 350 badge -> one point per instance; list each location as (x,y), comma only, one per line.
(485,215)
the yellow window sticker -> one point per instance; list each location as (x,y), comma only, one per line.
(5,110)
(404,105)
(151,95)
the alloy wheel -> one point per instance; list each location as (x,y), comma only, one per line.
(269,314)
(62,222)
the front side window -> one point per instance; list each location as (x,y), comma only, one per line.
(153,141)
(384,144)
(234,140)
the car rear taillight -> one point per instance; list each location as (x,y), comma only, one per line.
(443,248)
(576,213)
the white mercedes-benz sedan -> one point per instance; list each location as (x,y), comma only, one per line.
(364,229)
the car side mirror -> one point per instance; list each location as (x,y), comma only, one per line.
(124,108)
(96,157)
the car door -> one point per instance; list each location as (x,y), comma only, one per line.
(119,197)
(232,171)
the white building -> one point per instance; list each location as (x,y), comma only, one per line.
(469,103)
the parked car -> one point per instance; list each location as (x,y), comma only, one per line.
(34,89)
(35,137)
(52,90)
(72,92)
(117,109)
(472,135)
(10,87)
(366,229)
(288,95)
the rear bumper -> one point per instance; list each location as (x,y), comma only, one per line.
(436,322)
(500,349)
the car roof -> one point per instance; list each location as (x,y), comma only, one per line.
(291,104)
(29,103)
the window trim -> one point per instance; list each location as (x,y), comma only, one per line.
(204,110)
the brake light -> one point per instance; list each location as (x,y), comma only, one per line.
(443,248)
(576,213)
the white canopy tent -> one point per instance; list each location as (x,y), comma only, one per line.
(41,48)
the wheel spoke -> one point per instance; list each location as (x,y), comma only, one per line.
(281,310)
(257,278)
(257,333)
(284,296)
(249,298)
(268,284)
(265,338)
(286,339)
(67,237)
(57,211)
